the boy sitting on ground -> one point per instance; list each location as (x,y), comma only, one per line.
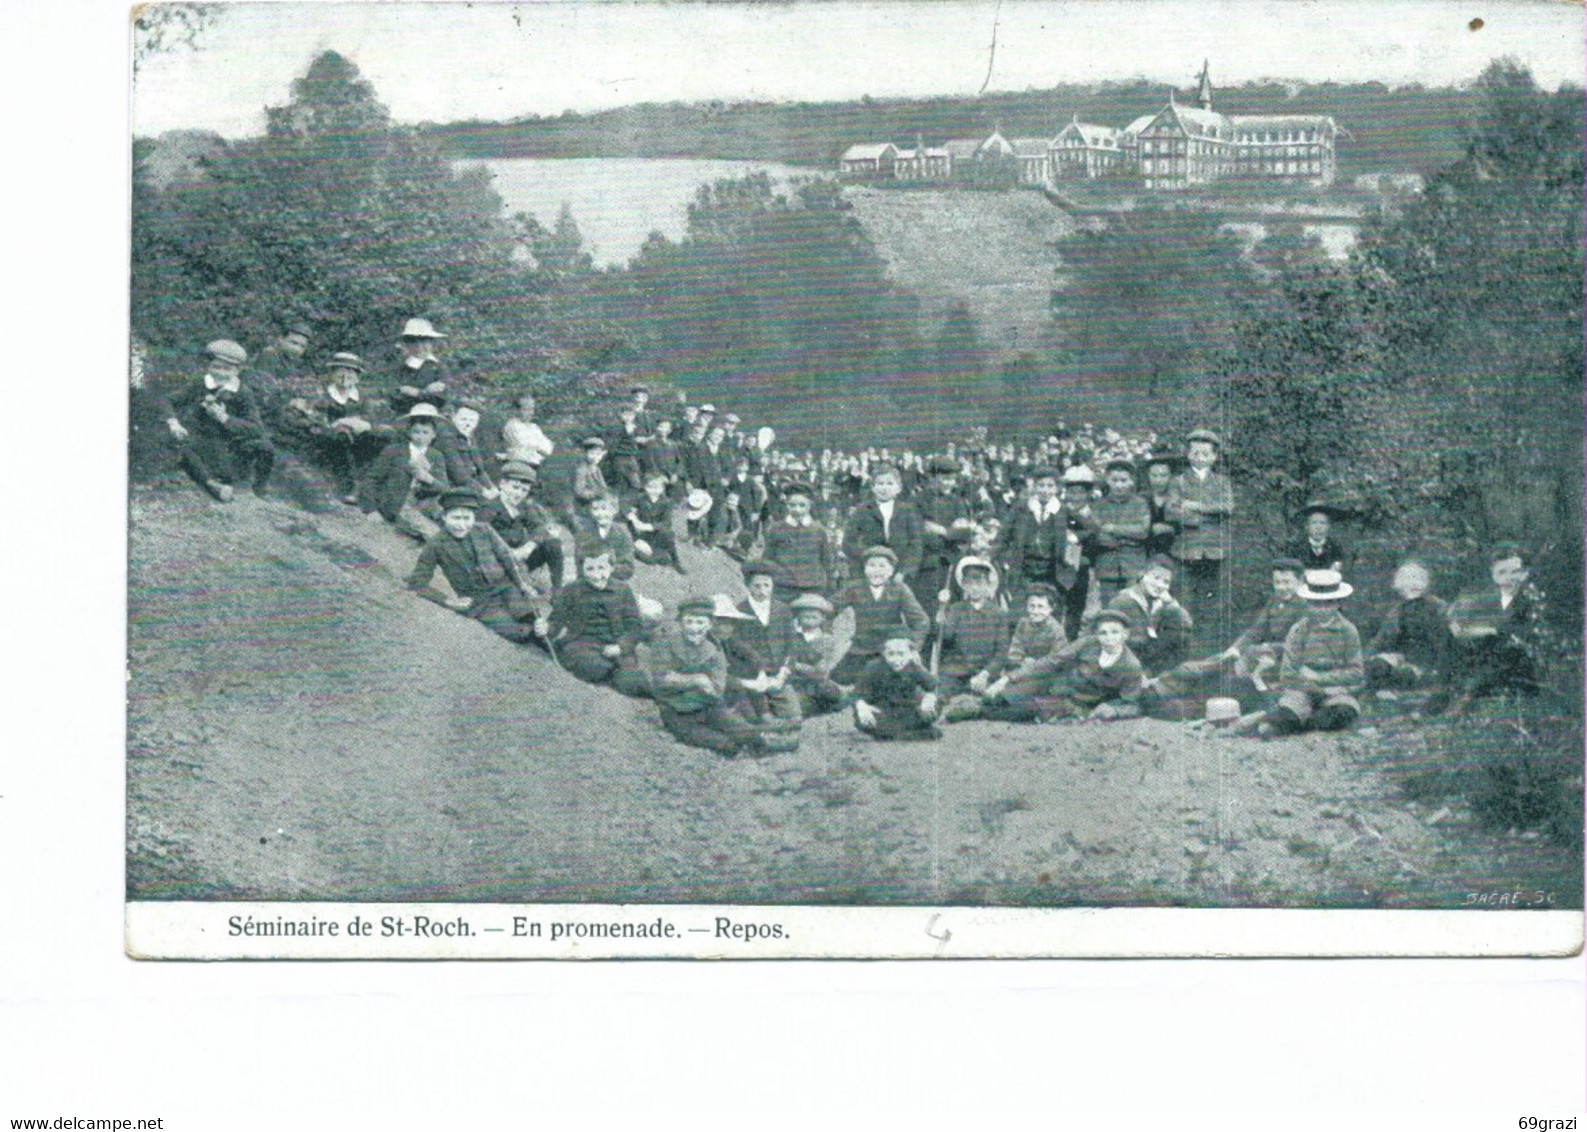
(596,627)
(601,532)
(1159,626)
(896,697)
(650,520)
(1097,676)
(217,427)
(1411,648)
(407,480)
(770,623)
(1322,667)
(1493,631)
(525,526)
(974,632)
(812,651)
(487,583)
(757,686)
(688,678)
(883,607)
(1037,636)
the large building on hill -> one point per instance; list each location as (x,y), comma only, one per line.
(1178,147)
(1181,146)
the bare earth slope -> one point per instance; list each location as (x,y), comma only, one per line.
(993,250)
(301,727)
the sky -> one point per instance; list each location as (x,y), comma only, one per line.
(449,61)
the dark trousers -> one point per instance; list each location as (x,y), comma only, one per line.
(716,728)
(1074,603)
(507,613)
(345,455)
(227,459)
(547,553)
(586,660)
(663,546)
(848,669)
(901,723)
(1201,588)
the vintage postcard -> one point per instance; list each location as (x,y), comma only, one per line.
(923,480)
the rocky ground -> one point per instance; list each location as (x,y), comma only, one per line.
(301,727)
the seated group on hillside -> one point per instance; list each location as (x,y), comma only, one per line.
(1004,584)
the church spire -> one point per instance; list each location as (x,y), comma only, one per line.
(1204,88)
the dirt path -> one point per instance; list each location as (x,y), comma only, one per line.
(300,727)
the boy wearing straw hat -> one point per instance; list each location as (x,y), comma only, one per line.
(812,651)
(1322,667)
(407,480)
(419,375)
(974,632)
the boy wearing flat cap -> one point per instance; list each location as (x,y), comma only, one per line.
(883,606)
(589,482)
(523,524)
(337,428)
(1096,677)
(1123,522)
(1203,511)
(215,421)
(812,651)
(1322,667)
(1159,627)
(688,679)
(487,583)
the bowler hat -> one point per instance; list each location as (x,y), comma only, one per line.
(225,350)
(811,601)
(420,328)
(1324,585)
(345,360)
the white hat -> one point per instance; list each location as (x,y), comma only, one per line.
(765,437)
(1223,709)
(974,560)
(420,328)
(1079,473)
(225,350)
(1324,585)
(698,502)
(722,606)
(424,411)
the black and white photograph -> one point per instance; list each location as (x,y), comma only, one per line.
(854,480)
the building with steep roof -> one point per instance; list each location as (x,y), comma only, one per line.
(868,161)
(1032,156)
(1084,150)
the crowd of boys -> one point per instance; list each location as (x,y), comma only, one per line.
(985,581)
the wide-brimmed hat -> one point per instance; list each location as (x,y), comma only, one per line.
(723,606)
(345,360)
(708,408)
(1324,585)
(1326,507)
(811,601)
(970,560)
(423,411)
(1223,709)
(420,328)
(225,350)
(698,503)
